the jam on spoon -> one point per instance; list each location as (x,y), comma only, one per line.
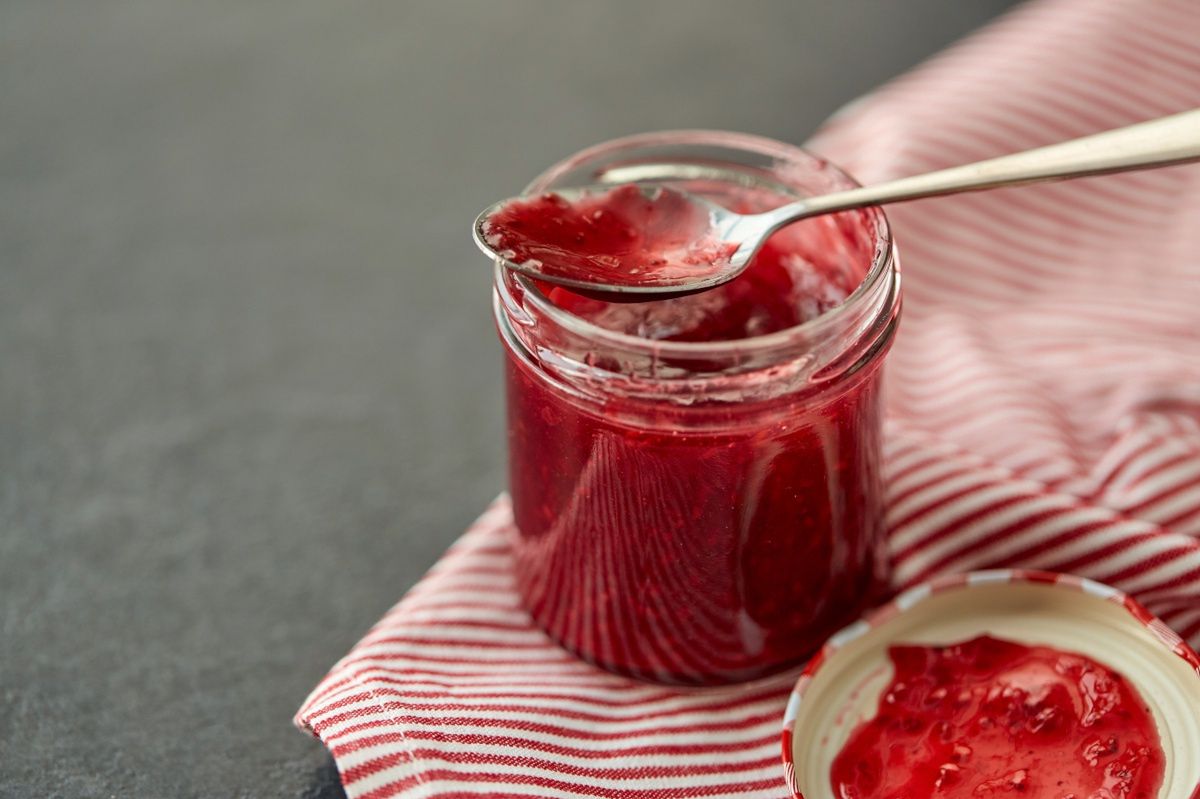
(634,236)
(993,718)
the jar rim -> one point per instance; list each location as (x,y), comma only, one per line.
(882,262)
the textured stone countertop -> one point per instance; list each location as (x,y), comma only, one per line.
(248,383)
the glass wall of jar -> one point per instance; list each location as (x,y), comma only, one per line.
(695,481)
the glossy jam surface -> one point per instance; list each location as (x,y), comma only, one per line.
(799,273)
(993,718)
(624,236)
(701,538)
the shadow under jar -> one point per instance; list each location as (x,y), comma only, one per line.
(696,481)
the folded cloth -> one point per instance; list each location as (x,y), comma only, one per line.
(1044,400)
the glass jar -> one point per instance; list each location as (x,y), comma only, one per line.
(701,511)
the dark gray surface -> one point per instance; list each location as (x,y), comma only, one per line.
(248,384)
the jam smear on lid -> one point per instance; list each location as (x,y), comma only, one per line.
(994,719)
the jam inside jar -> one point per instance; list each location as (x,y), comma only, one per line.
(696,481)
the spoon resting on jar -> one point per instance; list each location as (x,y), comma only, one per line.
(646,241)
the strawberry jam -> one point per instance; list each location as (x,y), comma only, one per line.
(781,289)
(992,718)
(695,481)
(622,236)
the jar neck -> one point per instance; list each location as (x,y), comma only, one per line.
(588,360)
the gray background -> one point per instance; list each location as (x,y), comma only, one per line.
(248,382)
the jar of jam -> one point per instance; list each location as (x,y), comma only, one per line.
(695,481)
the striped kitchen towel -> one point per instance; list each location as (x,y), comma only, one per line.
(1044,413)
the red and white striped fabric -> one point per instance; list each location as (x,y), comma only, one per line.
(1045,414)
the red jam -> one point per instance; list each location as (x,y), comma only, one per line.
(622,236)
(708,536)
(781,289)
(992,718)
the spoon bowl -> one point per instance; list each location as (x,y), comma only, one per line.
(650,241)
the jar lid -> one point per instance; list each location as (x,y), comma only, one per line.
(841,686)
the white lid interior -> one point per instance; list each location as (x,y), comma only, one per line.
(846,688)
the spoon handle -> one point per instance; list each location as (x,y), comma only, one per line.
(1159,142)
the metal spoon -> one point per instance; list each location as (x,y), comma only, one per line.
(1160,142)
